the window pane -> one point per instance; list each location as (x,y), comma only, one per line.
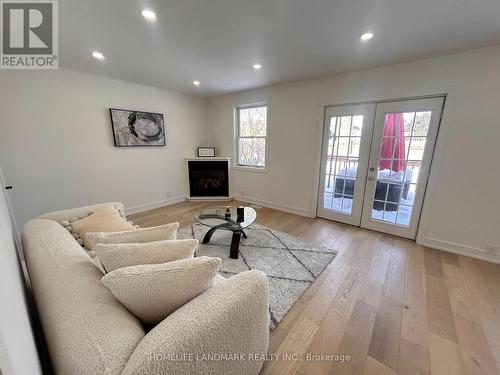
(342,146)
(333,126)
(337,203)
(408,196)
(357,125)
(422,122)
(412,171)
(389,214)
(252,151)
(340,166)
(347,205)
(345,126)
(408,117)
(354,146)
(329,181)
(327,200)
(404,215)
(253,121)
(417,148)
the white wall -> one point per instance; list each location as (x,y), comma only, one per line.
(56,143)
(17,349)
(462,208)
(57,149)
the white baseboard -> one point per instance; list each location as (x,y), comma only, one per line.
(468,251)
(182,198)
(150,206)
(460,249)
(276,206)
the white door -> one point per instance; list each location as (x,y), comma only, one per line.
(347,134)
(401,152)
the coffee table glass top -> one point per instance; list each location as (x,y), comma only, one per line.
(215,217)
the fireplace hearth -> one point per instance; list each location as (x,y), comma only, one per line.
(208,178)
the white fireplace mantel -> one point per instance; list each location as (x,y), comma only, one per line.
(207,158)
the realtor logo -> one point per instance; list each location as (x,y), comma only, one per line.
(29,34)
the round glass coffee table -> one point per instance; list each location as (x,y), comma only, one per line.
(218,219)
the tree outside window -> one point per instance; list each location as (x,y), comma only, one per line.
(252,136)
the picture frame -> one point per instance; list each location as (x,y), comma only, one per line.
(137,128)
(206,152)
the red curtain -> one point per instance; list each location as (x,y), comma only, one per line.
(393,139)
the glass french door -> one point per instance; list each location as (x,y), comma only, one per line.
(375,163)
(400,158)
(345,152)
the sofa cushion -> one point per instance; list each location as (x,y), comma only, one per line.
(87,330)
(74,214)
(152,292)
(159,233)
(106,219)
(113,256)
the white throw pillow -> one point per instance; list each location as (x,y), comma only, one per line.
(113,256)
(152,292)
(106,219)
(159,233)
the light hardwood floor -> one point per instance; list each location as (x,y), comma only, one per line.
(393,306)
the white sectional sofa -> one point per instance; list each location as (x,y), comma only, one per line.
(225,330)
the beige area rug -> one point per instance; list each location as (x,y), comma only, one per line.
(290,264)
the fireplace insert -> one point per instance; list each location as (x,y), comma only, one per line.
(208,178)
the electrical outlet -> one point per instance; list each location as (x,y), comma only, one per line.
(242,193)
(169,194)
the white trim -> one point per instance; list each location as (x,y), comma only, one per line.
(157,204)
(208,158)
(249,169)
(456,248)
(188,188)
(317,159)
(460,249)
(433,104)
(433,177)
(368,113)
(429,92)
(276,206)
(236,137)
(437,158)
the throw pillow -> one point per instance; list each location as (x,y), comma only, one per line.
(159,233)
(113,256)
(152,292)
(106,219)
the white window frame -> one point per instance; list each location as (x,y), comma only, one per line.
(236,164)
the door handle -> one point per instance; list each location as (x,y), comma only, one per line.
(371,177)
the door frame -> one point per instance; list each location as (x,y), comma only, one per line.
(441,91)
(368,110)
(436,105)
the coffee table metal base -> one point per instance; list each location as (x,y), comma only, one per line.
(235,242)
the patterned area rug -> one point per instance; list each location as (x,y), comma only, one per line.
(290,264)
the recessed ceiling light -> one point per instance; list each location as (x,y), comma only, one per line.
(366,37)
(149,15)
(257,66)
(196,83)
(98,55)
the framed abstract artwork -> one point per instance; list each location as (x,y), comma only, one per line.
(136,128)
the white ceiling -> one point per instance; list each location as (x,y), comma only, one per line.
(218,41)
